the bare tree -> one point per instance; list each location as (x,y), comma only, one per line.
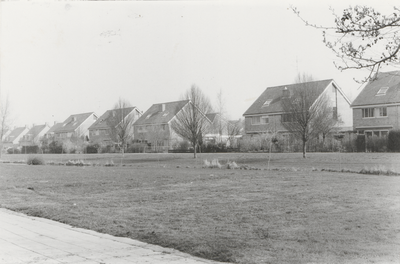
(363,38)
(222,120)
(191,123)
(156,136)
(5,119)
(234,128)
(304,109)
(120,123)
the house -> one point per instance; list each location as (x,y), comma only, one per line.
(75,126)
(154,126)
(101,131)
(376,110)
(218,129)
(12,140)
(33,136)
(50,133)
(267,113)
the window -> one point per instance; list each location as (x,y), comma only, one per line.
(382,91)
(267,103)
(255,120)
(287,118)
(382,111)
(384,133)
(264,120)
(367,112)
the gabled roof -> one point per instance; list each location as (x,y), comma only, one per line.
(16,132)
(54,127)
(156,115)
(270,100)
(35,130)
(72,122)
(107,118)
(368,96)
(212,116)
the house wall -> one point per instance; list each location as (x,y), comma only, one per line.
(274,125)
(83,129)
(391,121)
(344,110)
(152,133)
(34,141)
(99,135)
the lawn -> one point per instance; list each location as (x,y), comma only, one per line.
(243,216)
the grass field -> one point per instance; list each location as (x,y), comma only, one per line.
(243,216)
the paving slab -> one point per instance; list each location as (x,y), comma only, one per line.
(33,240)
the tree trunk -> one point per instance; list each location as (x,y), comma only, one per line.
(194,150)
(304,148)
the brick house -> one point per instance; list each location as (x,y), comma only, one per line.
(154,126)
(50,133)
(376,110)
(101,131)
(75,126)
(267,114)
(34,135)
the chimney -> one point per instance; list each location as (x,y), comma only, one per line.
(285,92)
(74,118)
(162,107)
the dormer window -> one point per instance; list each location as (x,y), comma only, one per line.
(267,103)
(382,91)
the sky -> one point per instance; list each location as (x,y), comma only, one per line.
(63,58)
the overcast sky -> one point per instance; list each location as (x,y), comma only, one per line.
(63,58)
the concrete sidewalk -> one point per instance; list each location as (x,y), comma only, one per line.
(26,239)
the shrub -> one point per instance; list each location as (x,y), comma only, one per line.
(136,148)
(393,143)
(56,147)
(360,143)
(13,151)
(35,160)
(92,149)
(30,149)
(376,144)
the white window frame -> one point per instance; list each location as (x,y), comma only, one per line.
(380,111)
(368,110)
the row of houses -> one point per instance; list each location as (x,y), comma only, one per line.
(374,112)
(152,126)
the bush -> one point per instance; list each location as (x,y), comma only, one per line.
(136,148)
(13,151)
(92,149)
(376,144)
(393,143)
(35,160)
(56,147)
(30,149)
